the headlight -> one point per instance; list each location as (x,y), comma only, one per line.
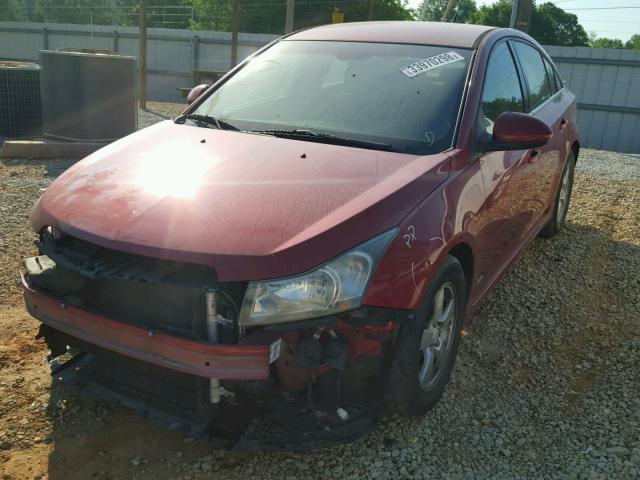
(336,286)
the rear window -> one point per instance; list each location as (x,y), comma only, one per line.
(407,96)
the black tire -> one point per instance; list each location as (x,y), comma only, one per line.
(556,222)
(406,395)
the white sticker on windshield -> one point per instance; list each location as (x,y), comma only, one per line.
(430,63)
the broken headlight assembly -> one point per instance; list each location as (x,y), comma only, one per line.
(337,286)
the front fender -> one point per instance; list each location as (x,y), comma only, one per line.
(445,219)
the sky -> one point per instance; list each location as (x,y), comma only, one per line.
(612,22)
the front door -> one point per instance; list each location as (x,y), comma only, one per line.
(509,177)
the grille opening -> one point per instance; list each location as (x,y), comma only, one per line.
(147,292)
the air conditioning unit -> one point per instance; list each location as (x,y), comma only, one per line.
(88,95)
(20,100)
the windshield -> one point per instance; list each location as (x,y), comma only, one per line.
(405,96)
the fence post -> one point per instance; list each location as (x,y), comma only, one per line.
(28,10)
(235,25)
(288,24)
(195,58)
(370,10)
(447,11)
(142,56)
(45,38)
(514,13)
(115,40)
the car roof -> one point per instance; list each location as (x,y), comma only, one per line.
(424,33)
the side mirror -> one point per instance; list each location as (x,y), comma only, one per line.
(195,92)
(518,131)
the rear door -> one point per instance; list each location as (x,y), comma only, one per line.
(545,102)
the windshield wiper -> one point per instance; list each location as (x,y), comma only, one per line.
(311,136)
(206,121)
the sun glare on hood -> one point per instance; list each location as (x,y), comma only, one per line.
(168,172)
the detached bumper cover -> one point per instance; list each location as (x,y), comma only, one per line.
(226,362)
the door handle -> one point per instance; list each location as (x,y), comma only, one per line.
(563,124)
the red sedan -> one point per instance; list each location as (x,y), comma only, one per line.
(303,245)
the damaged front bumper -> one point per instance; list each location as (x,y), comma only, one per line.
(222,361)
(281,403)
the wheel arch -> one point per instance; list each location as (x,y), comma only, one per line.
(464,254)
(575,148)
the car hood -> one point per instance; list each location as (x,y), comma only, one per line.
(251,206)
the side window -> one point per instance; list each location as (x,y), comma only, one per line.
(553,80)
(501,91)
(559,82)
(534,72)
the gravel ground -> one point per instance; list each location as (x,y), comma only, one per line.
(546,384)
(157,111)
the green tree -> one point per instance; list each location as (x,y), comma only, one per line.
(433,10)
(98,12)
(255,16)
(385,9)
(212,15)
(497,14)
(606,43)
(633,43)
(549,25)
(11,11)
(269,16)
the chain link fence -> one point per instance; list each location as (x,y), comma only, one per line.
(187,42)
(267,16)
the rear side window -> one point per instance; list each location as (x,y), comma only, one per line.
(550,76)
(535,73)
(501,91)
(553,80)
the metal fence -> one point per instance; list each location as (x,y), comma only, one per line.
(254,16)
(185,45)
(174,57)
(606,82)
(607,85)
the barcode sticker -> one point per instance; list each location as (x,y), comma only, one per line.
(430,63)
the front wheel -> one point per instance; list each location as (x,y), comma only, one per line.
(563,197)
(427,344)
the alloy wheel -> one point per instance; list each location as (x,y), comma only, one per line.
(437,337)
(563,197)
